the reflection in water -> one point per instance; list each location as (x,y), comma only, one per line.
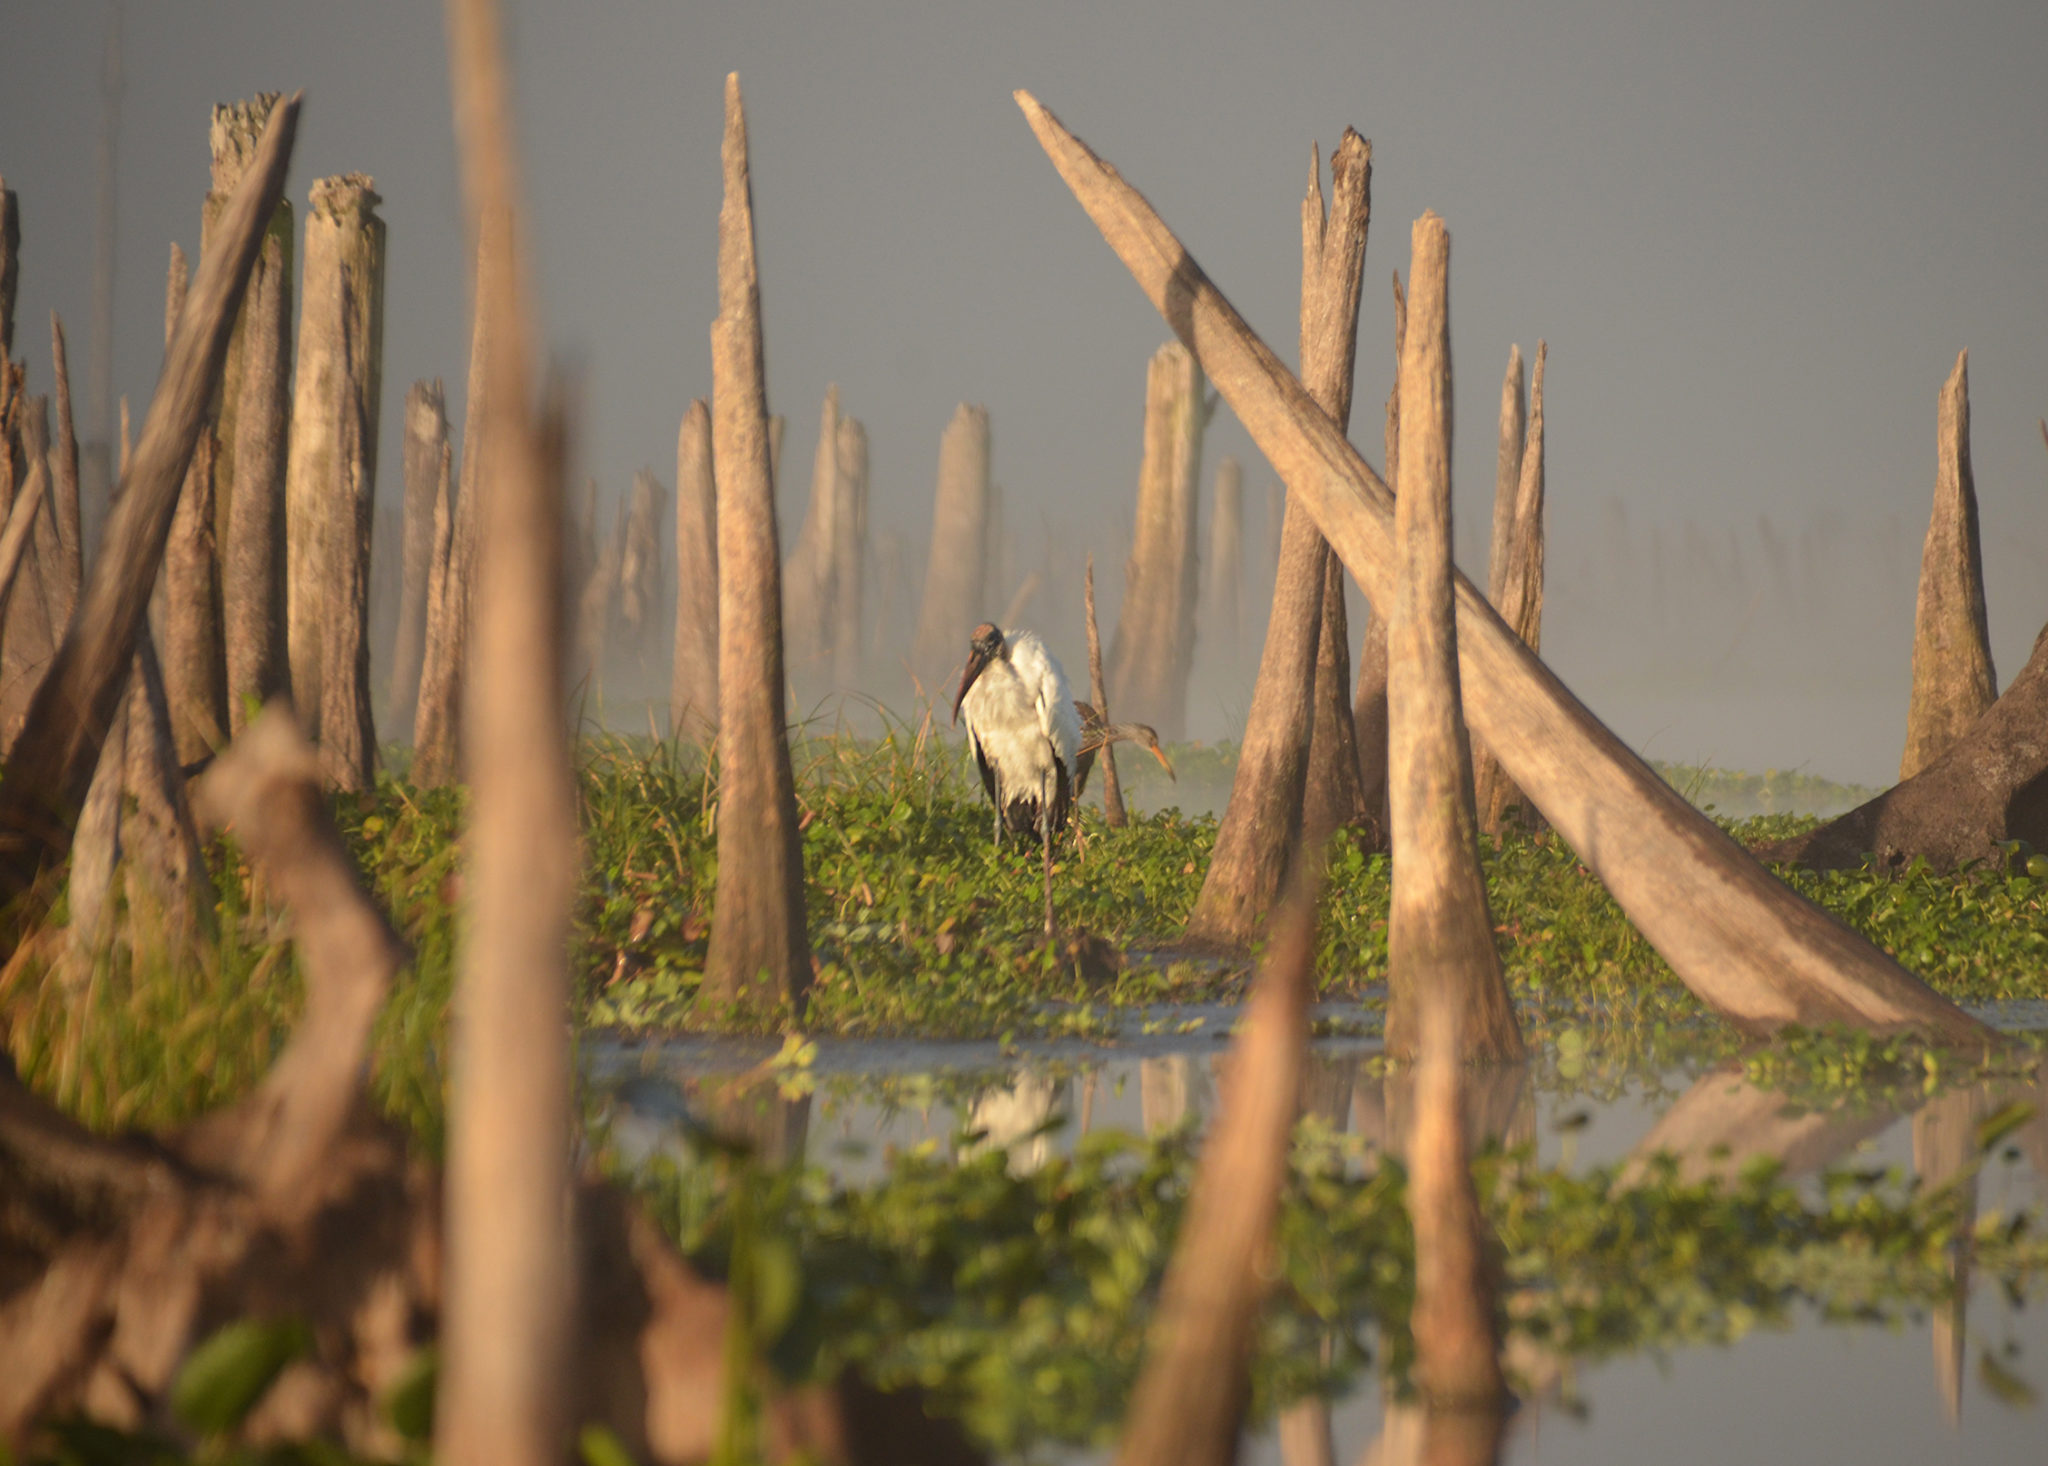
(1720,1123)
(1017,1117)
(1172,1089)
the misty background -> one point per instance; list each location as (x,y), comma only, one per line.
(1754,237)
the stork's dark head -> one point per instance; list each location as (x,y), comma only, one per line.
(986,646)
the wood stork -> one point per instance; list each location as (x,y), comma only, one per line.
(1025,735)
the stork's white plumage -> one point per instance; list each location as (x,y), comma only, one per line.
(1025,734)
(1022,726)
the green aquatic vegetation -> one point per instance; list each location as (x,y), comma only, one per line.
(1018,1298)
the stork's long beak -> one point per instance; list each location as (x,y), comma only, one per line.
(976,660)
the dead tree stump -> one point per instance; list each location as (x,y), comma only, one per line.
(643,594)
(807,575)
(956,574)
(333,477)
(1369,703)
(1154,647)
(1953,679)
(426,466)
(1223,600)
(693,691)
(1263,822)
(759,961)
(1516,584)
(849,553)
(1439,930)
(252,434)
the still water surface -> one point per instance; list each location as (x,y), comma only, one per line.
(1949,1386)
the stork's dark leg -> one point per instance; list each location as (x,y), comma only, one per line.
(1045,835)
(998,802)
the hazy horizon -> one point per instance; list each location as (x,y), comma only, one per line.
(1754,240)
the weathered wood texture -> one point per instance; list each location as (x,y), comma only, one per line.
(849,553)
(1154,647)
(1188,1405)
(1515,586)
(1749,946)
(333,475)
(693,690)
(1507,474)
(808,599)
(1113,812)
(1263,821)
(1990,786)
(51,764)
(437,728)
(63,464)
(956,574)
(506,1338)
(1223,600)
(1953,679)
(425,462)
(1369,701)
(759,959)
(252,434)
(1439,929)
(643,591)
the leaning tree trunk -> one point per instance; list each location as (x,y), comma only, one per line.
(1154,647)
(1748,946)
(426,464)
(252,433)
(333,477)
(1953,680)
(1263,821)
(759,960)
(51,765)
(437,728)
(1439,930)
(957,572)
(1223,601)
(1988,788)
(849,554)
(693,692)
(1518,594)
(1369,705)
(31,629)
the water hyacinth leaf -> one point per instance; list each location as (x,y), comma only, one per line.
(410,1404)
(225,1376)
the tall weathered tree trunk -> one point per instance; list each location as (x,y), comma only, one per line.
(508,1334)
(1515,586)
(1439,930)
(1223,616)
(437,728)
(642,598)
(1154,646)
(597,606)
(1332,796)
(1953,680)
(1747,945)
(64,475)
(252,433)
(849,554)
(759,958)
(426,465)
(333,477)
(1369,704)
(34,617)
(807,575)
(956,573)
(1263,821)
(195,678)
(1507,475)
(693,693)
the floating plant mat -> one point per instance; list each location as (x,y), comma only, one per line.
(992,1228)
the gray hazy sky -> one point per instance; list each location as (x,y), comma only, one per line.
(1754,234)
